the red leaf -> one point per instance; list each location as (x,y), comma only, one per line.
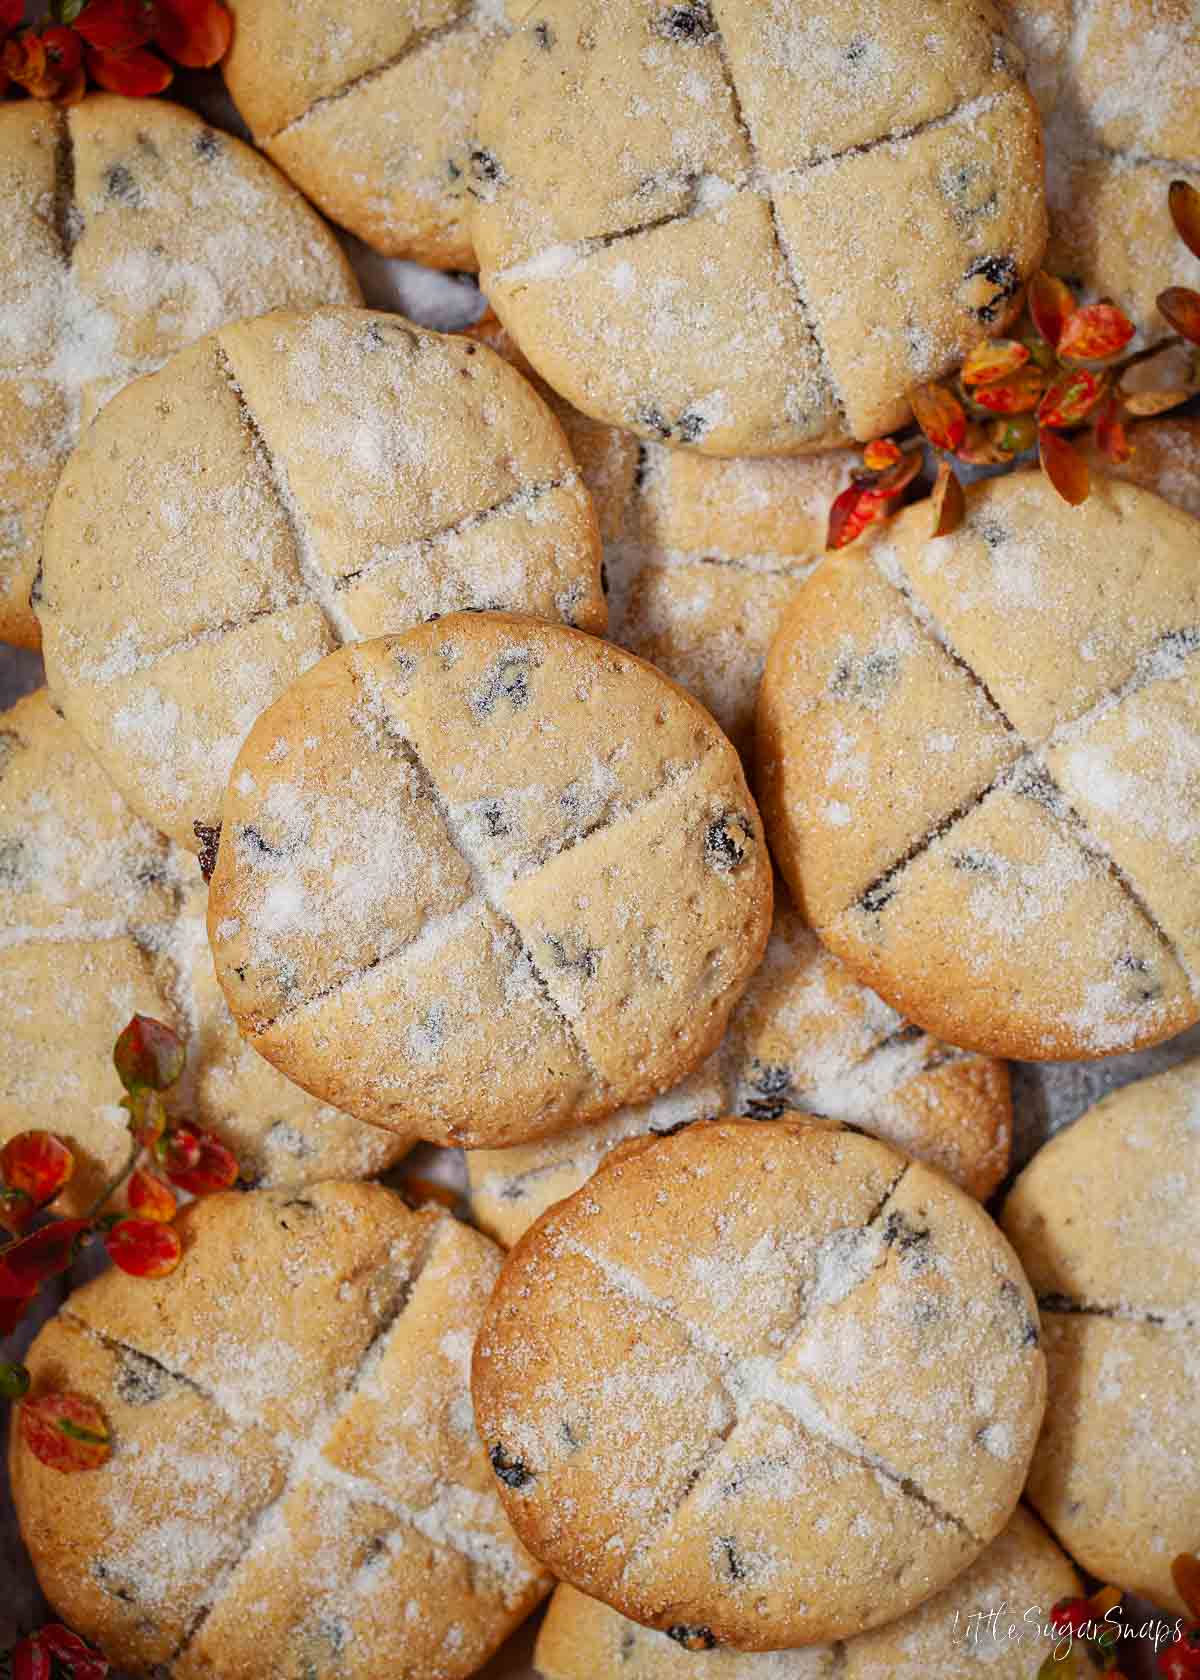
(30,1661)
(150,1198)
(65,1431)
(949,504)
(16,1210)
(179,1150)
(1111,437)
(1051,305)
(11,14)
(216,1168)
(193,32)
(116,26)
(28,1263)
(86,1664)
(38,1163)
(898,476)
(1018,395)
(12,1310)
(1095,333)
(1181,308)
(1065,467)
(136,75)
(881,454)
(144,1248)
(855,509)
(147,1053)
(940,416)
(1142,404)
(994,358)
(1071,397)
(1184,203)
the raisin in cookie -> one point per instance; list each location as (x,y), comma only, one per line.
(1021,1575)
(370,110)
(485,878)
(805,1036)
(133,229)
(979,757)
(701,555)
(296,1487)
(1104,1219)
(758,181)
(1116,83)
(101,917)
(678,1383)
(288,485)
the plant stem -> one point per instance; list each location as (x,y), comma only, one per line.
(115,1184)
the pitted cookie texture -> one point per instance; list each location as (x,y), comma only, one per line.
(132,228)
(289,485)
(487,878)
(1104,1220)
(979,760)
(678,1383)
(759,180)
(296,1487)
(101,917)
(951,1637)
(805,1036)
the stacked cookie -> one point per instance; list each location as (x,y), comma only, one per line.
(411,703)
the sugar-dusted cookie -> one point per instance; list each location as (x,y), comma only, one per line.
(371,110)
(979,757)
(1019,1578)
(288,485)
(1104,1219)
(805,1036)
(1116,84)
(701,555)
(296,1487)
(486,877)
(758,180)
(679,1378)
(132,228)
(101,917)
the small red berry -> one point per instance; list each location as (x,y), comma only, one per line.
(144,1248)
(1072,1614)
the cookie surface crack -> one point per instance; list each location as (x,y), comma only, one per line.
(66,209)
(1069,1306)
(419,39)
(321,592)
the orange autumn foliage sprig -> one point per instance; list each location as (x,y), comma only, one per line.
(1062,374)
(1090,1634)
(123,46)
(68,1431)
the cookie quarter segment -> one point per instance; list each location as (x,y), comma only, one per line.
(485,878)
(759,180)
(1035,735)
(134,229)
(947,1638)
(101,917)
(370,110)
(1104,1219)
(678,1382)
(296,1486)
(288,485)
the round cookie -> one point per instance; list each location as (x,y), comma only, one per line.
(296,1486)
(133,228)
(370,110)
(805,1035)
(1116,84)
(979,761)
(758,181)
(679,1382)
(1020,1576)
(485,878)
(1104,1220)
(286,486)
(701,555)
(101,917)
